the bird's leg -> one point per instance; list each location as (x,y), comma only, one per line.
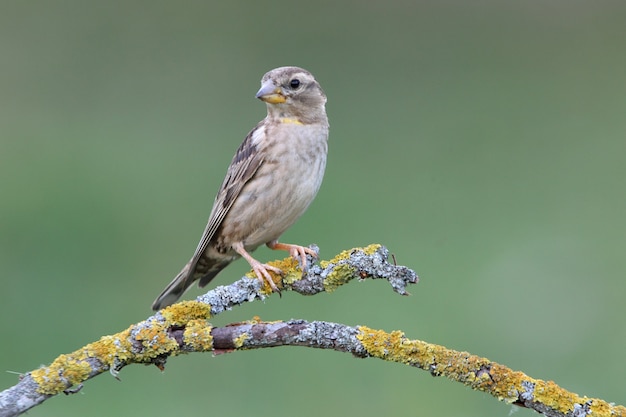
(296,251)
(259,269)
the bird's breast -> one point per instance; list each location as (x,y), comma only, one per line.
(283,187)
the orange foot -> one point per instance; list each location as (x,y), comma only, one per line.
(296,251)
(260,269)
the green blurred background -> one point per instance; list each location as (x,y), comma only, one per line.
(482,142)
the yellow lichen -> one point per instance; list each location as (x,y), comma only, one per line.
(342,272)
(476,372)
(155,341)
(71,369)
(185,311)
(290,268)
(240,340)
(340,275)
(110,348)
(458,366)
(198,335)
(371,249)
(64,372)
(139,343)
(383,345)
(555,397)
(602,408)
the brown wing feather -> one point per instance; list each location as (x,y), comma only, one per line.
(245,163)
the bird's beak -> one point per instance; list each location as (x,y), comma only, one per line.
(270,93)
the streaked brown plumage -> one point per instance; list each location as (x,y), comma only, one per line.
(273,177)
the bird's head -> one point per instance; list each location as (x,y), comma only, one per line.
(292,92)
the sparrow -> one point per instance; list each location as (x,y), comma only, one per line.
(271,181)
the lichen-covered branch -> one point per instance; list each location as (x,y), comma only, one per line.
(480,374)
(183,327)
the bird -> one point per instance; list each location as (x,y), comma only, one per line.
(272,179)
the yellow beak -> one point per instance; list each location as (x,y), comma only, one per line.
(270,93)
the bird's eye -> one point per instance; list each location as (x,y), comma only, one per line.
(295,83)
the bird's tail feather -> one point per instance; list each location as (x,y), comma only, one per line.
(183,281)
(174,290)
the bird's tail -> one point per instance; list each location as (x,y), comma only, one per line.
(175,289)
(183,281)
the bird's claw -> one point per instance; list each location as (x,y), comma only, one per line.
(261,271)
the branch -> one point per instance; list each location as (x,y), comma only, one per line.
(184,328)
(473,371)
(159,336)
(478,373)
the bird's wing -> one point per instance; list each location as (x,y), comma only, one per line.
(245,163)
